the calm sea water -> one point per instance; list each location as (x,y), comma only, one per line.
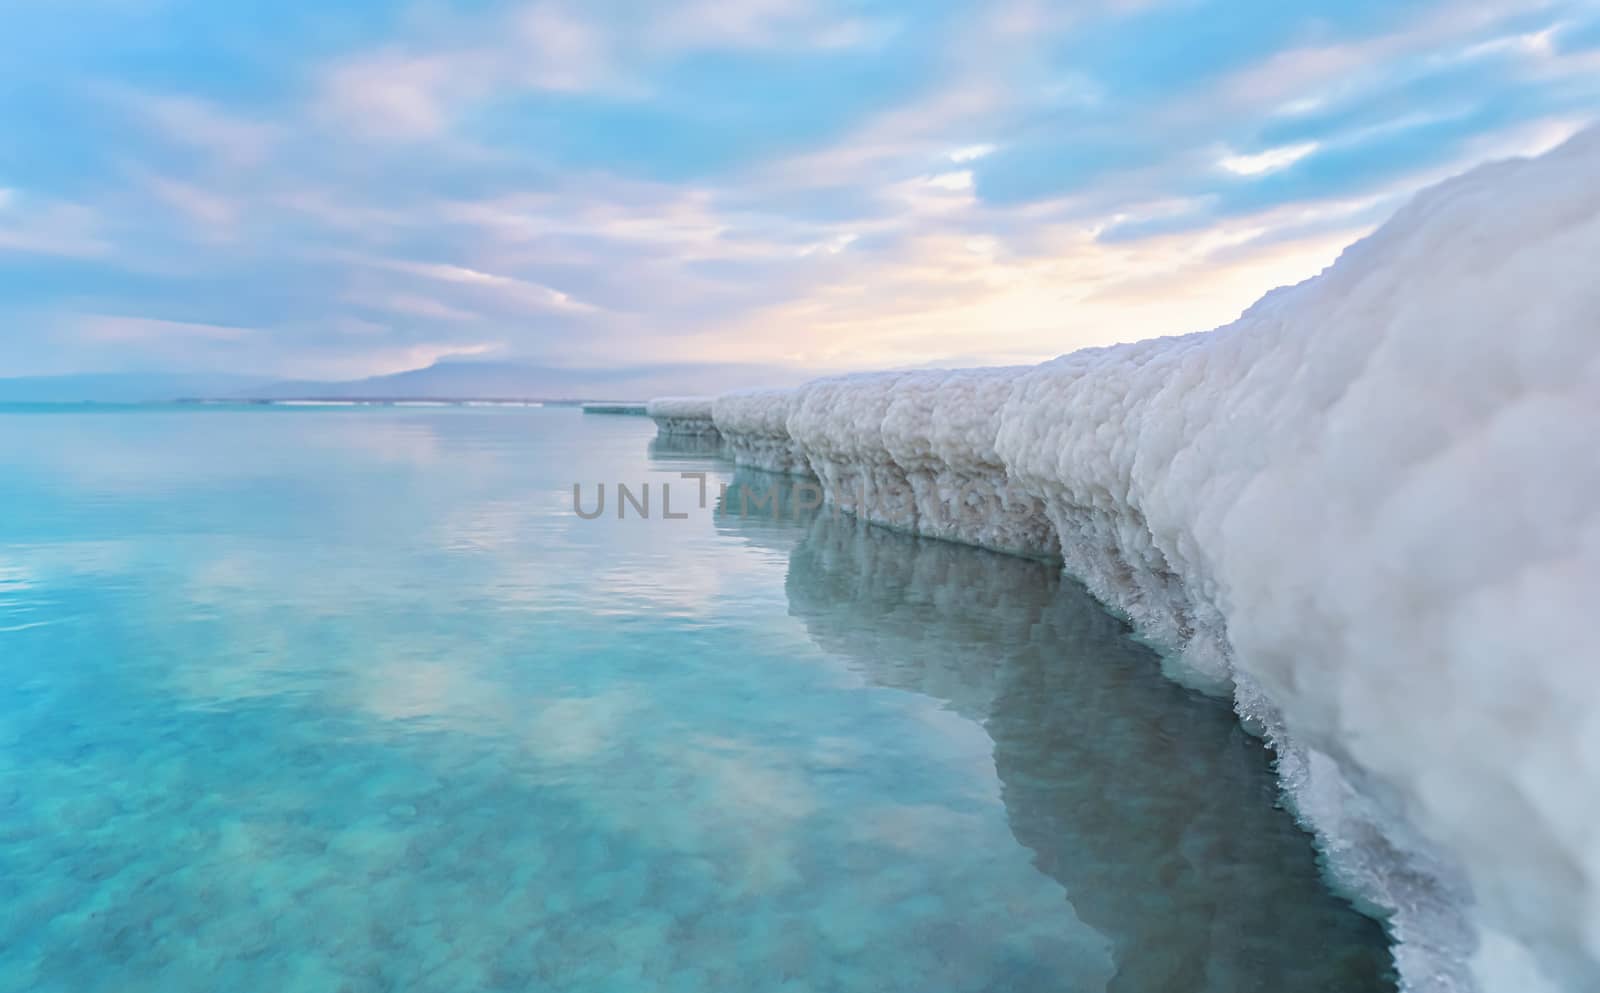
(351,700)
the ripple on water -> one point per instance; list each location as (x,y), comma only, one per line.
(274,724)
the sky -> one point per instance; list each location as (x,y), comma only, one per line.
(329,191)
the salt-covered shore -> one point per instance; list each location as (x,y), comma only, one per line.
(682,416)
(1369,509)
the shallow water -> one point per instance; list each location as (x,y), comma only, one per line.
(350,699)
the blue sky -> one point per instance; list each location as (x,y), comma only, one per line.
(335,190)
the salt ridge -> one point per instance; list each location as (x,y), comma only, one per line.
(755,425)
(1367,509)
(683,416)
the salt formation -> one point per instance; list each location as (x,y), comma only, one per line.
(916,451)
(755,424)
(1368,508)
(682,415)
(838,423)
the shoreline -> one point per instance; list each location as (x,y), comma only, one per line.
(1269,504)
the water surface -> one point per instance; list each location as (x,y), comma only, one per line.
(350,699)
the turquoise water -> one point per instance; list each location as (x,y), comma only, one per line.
(351,700)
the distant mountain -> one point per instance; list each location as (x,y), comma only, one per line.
(470,380)
(127,387)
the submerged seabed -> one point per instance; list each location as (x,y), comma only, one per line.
(351,700)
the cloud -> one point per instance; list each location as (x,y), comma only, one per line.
(212,212)
(393,95)
(943,295)
(421,88)
(760,24)
(820,184)
(519,291)
(1271,160)
(411,305)
(201,125)
(111,329)
(971,153)
(36,226)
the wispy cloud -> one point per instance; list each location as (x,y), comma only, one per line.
(35,226)
(211,211)
(392,95)
(1271,160)
(521,291)
(971,153)
(410,305)
(418,88)
(111,329)
(199,124)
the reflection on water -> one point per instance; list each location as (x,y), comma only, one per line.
(689,447)
(351,700)
(1147,803)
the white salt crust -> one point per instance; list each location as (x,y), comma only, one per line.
(1369,509)
(682,416)
(754,423)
